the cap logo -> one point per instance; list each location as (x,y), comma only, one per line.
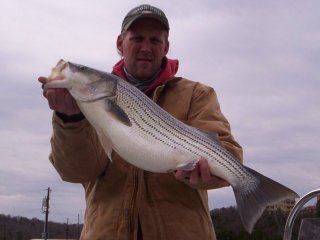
(147,9)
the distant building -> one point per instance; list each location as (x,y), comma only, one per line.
(309,210)
(284,206)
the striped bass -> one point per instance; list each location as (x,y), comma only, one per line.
(148,137)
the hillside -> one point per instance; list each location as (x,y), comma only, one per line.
(269,227)
(226,221)
(21,228)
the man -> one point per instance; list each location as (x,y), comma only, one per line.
(122,201)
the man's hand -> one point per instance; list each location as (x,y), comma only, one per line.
(59,99)
(200,177)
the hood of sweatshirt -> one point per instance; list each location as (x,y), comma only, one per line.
(168,70)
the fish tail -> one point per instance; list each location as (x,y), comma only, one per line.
(253,195)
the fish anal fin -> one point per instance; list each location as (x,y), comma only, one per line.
(187,166)
(117,112)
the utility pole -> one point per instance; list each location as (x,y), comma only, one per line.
(67,229)
(78,227)
(45,209)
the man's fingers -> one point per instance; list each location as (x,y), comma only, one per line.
(51,96)
(71,104)
(195,175)
(204,171)
(56,99)
(200,176)
(42,79)
(59,99)
(60,96)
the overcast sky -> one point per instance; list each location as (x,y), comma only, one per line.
(261,57)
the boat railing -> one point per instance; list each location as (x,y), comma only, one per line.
(312,224)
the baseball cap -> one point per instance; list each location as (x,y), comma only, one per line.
(144,11)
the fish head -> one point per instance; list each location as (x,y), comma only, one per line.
(84,83)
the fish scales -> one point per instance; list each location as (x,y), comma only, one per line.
(148,114)
(165,129)
(166,142)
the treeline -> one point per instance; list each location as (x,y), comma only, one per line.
(226,221)
(21,228)
(270,226)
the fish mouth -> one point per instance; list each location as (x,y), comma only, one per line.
(57,71)
(57,78)
(61,65)
(61,62)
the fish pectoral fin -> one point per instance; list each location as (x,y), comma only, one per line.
(187,166)
(117,112)
(106,144)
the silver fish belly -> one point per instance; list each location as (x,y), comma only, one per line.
(145,135)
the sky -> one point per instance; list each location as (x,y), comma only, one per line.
(261,57)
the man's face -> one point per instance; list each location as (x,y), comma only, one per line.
(143,47)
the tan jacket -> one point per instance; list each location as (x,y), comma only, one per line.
(118,194)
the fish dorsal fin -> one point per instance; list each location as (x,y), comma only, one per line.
(212,136)
(117,112)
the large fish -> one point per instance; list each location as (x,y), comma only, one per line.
(145,135)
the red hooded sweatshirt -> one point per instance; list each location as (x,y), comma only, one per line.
(168,70)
